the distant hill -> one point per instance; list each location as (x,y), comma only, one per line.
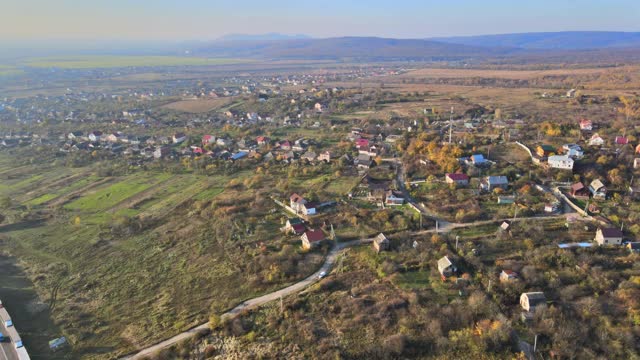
(369,48)
(262,37)
(568,40)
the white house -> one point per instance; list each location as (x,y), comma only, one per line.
(596,140)
(561,162)
(608,236)
(586,125)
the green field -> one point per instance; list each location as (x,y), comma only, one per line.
(6,70)
(107,197)
(88,62)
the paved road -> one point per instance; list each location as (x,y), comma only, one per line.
(256,302)
(7,350)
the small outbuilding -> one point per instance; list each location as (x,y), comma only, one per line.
(532,300)
(381,243)
(446,267)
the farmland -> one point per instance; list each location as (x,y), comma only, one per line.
(89,62)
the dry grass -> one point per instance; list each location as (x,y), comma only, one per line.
(501,74)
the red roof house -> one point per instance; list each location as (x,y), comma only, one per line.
(362,143)
(312,238)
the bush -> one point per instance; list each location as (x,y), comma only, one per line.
(214,322)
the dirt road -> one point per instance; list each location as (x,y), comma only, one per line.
(255,302)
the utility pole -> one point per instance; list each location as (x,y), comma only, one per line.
(450,125)
(535,344)
(489,287)
(458,238)
(281,306)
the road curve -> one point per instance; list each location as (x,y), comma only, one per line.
(255,302)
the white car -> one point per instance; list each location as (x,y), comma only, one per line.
(322,274)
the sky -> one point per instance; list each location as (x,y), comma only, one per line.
(177,20)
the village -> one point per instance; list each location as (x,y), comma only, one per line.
(449,200)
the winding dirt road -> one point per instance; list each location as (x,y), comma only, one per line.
(255,302)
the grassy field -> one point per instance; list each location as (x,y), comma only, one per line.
(111,291)
(105,198)
(88,62)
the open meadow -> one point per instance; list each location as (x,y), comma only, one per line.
(123,261)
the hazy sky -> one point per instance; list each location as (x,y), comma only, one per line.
(204,20)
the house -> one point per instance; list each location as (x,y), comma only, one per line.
(239,155)
(596,140)
(208,139)
(300,145)
(285,145)
(573,151)
(633,247)
(545,150)
(223,142)
(621,140)
(446,267)
(598,190)
(309,156)
(362,143)
(579,191)
(325,156)
(380,243)
(636,163)
(571,93)
(75,135)
(608,236)
(508,275)
(551,207)
(393,197)
(318,107)
(586,125)
(478,160)
(563,162)
(296,201)
(288,156)
(114,137)
(364,161)
(178,138)
(457,178)
(312,238)
(492,182)
(532,300)
(95,136)
(295,226)
(161,151)
(197,150)
(263,140)
(308,208)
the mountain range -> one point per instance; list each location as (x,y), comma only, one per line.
(278,46)
(567,40)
